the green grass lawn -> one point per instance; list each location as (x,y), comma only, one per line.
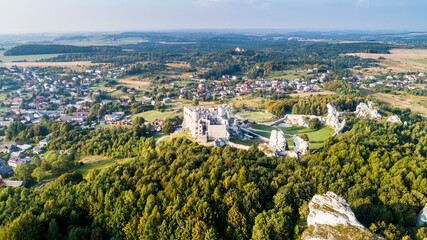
(258,116)
(186,134)
(118,93)
(316,137)
(3,94)
(154,114)
(422,61)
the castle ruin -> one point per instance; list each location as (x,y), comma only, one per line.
(208,124)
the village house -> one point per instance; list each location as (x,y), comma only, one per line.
(5,170)
(18,158)
(9,148)
(44,142)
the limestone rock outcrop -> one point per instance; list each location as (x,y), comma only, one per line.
(277,141)
(332,119)
(367,111)
(301,146)
(332,110)
(422,217)
(300,120)
(394,119)
(331,218)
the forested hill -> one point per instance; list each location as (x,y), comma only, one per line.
(182,190)
(34,49)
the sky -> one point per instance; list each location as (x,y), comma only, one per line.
(51,16)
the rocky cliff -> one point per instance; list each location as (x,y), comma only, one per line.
(367,111)
(277,141)
(331,218)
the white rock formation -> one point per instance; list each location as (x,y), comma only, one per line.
(394,119)
(331,209)
(300,120)
(368,111)
(332,110)
(277,141)
(332,119)
(422,217)
(331,217)
(301,146)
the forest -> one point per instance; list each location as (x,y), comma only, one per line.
(34,49)
(221,58)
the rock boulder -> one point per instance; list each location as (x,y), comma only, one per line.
(394,119)
(331,218)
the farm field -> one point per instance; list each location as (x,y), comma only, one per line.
(415,103)
(154,114)
(399,60)
(134,82)
(421,61)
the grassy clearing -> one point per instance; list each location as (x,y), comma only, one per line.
(154,114)
(421,61)
(316,137)
(258,116)
(246,102)
(97,162)
(134,82)
(3,95)
(185,134)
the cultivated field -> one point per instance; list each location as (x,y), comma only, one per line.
(415,103)
(400,60)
